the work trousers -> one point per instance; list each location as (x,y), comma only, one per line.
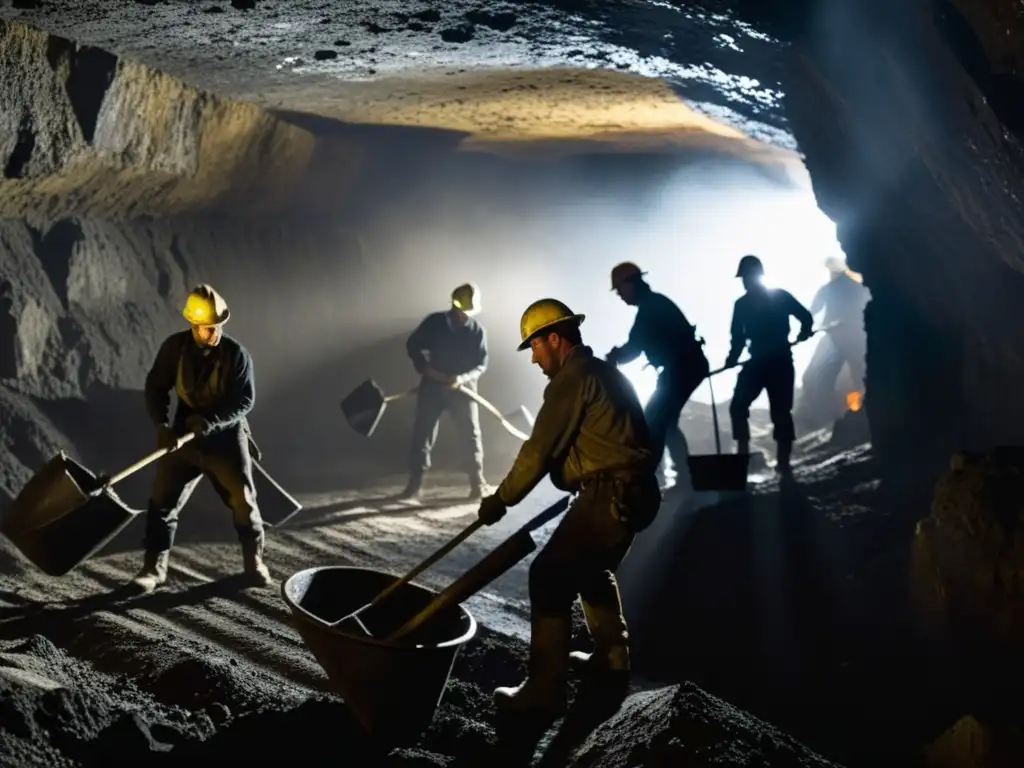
(775,375)
(673,390)
(223,458)
(588,545)
(431,401)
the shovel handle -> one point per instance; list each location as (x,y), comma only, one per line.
(510,552)
(741,363)
(476,578)
(145,461)
(488,406)
(465,534)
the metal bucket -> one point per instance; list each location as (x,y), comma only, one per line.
(392,689)
(719,471)
(57,524)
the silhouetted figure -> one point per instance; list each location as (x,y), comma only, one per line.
(212,375)
(760,320)
(841,301)
(448,350)
(665,337)
(591,437)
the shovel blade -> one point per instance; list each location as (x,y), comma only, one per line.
(58,521)
(363,407)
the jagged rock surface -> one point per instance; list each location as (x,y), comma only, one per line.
(914,145)
(970,558)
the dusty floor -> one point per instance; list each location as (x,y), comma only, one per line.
(205,666)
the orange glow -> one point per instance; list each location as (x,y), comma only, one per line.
(853,400)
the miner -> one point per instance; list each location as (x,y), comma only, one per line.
(760,321)
(212,375)
(665,337)
(591,436)
(841,302)
(449,351)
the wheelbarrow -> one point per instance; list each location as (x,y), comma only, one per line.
(394,682)
(364,406)
(65,514)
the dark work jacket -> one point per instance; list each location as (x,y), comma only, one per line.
(760,318)
(453,351)
(215,382)
(843,301)
(591,421)
(662,334)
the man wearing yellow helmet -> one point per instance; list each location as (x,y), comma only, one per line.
(212,376)
(591,437)
(448,350)
(665,337)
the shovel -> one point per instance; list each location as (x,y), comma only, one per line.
(498,562)
(65,513)
(364,406)
(354,623)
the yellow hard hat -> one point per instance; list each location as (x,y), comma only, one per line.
(623,272)
(544,314)
(205,307)
(467,298)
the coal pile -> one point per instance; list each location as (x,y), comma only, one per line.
(683,725)
(56,711)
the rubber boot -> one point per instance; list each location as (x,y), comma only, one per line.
(784,449)
(256,571)
(153,572)
(542,696)
(607,630)
(478,488)
(412,488)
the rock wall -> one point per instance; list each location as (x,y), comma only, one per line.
(86,133)
(910,119)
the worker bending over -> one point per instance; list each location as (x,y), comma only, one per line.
(212,375)
(665,337)
(448,350)
(590,435)
(760,319)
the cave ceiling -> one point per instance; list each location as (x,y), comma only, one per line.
(613,73)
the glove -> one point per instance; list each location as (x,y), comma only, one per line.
(165,438)
(612,356)
(197,424)
(492,509)
(804,335)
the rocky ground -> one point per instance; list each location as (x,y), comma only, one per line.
(205,666)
